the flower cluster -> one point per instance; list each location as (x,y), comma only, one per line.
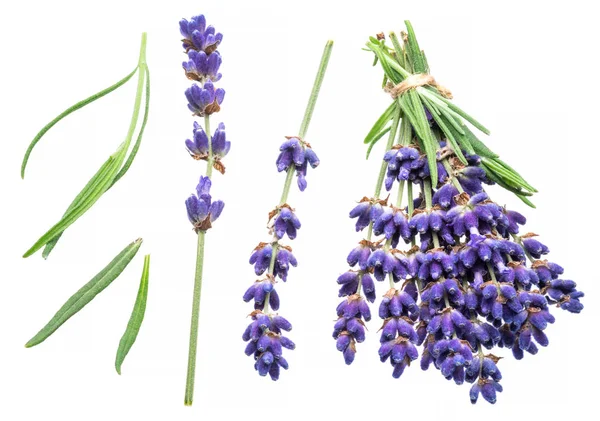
(474,282)
(272,261)
(203,61)
(201,210)
(294,151)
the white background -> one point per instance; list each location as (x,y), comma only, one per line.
(527,70)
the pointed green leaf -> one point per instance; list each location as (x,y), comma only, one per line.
(381,122)
(515,173)
(68,111)
(138,141)
(91,186)
(439,119)
(91,193)
(414,52)
(376,139)
(478,146)
(136,319)
(87,292)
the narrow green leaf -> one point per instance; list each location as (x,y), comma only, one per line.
(381,122)
(105,177)
(447,132)
(376,139)
(424,132)
(87,292)
(500,181)
(84,194)
(68,111)
(526,201)
(515,173)
(136,319)
(414,52)
(138,141)
(96,189)
(507,174)
(479,147)
(458,111)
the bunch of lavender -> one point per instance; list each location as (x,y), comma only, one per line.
(469,280)
(200,43)
(272,260)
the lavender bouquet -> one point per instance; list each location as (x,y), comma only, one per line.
(200,43)
(265,333)
(469,280)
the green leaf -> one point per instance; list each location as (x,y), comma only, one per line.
(447,132)
(508,175)
(478,146)
(414,52)
(68,111)
(113,169)
(138,141)
(459,111)
(91,186)
(87,292)
(516,174)
(90,195)
(136,319)
(421,125)
(376,139)
(381,122)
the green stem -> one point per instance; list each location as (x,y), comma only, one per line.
(314,94)
(193,346)
(388,146)
(400,194)
(209,162)
(451,174)
(411,205)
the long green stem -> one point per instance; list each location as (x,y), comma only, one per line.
(314,94)
(193,347)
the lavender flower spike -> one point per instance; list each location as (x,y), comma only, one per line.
(265,341)
(202,65)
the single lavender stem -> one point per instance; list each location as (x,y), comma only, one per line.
(191,370)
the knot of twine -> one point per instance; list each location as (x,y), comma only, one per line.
(414,81)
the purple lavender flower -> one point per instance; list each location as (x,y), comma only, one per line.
(266,343)
(286,222)
(261,259)
(201,66)
(204,100)
(201,210)
(197,36)
(350,327)
(298,153)
(261,291)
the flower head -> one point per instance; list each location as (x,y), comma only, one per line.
(197,36)
(201,210)
(298,153)
(204,100)
(201,66)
